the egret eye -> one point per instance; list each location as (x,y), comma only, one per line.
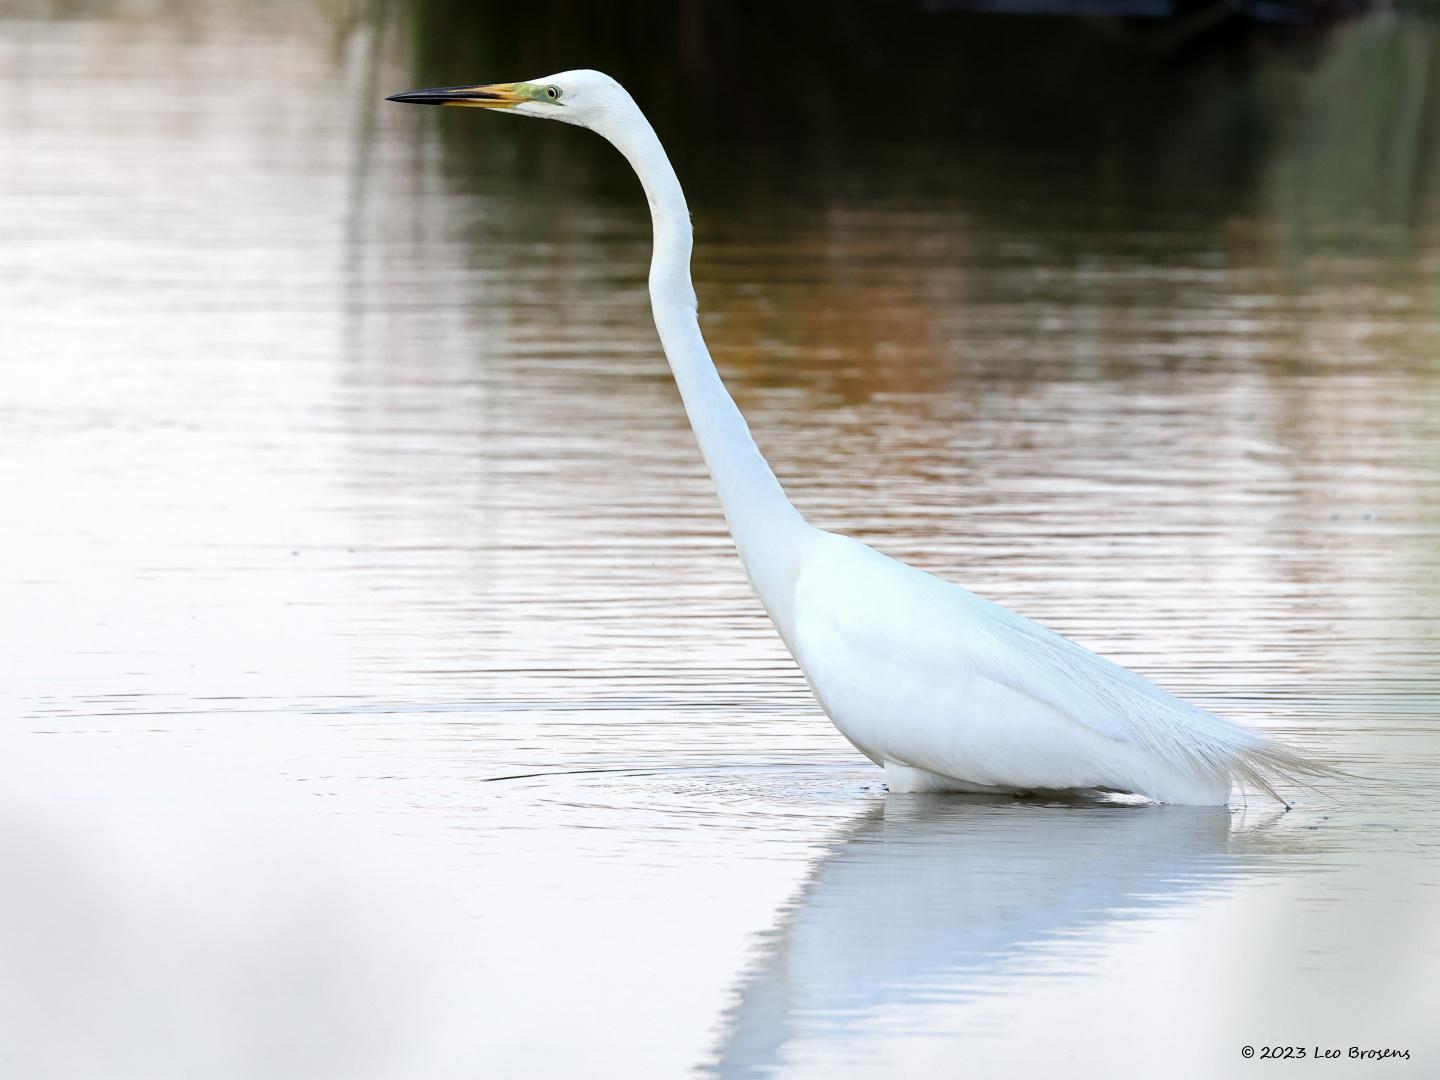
(553,93)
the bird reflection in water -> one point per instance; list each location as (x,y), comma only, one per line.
(930,898)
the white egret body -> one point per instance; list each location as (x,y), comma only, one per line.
(943,689)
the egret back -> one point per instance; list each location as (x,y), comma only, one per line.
(919,671)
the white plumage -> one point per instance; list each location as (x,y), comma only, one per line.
(949,691)
(942,688)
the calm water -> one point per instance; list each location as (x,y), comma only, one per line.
(383,697)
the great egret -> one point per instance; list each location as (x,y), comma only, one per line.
(946,691)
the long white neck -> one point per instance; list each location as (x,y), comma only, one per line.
(770,534)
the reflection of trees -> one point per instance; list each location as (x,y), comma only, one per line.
(1103,184)
(752,69)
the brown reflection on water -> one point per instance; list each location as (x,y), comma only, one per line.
(337,434)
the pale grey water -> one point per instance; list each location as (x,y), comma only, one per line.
(384,697)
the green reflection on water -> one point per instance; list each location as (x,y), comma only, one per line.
(1344,113)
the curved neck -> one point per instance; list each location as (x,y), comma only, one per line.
(768,531)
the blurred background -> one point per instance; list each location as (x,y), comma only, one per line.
(381,693)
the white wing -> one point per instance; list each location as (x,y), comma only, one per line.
(863,618)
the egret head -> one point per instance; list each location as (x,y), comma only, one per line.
(585,98)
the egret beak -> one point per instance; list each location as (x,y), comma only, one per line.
(494,96)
